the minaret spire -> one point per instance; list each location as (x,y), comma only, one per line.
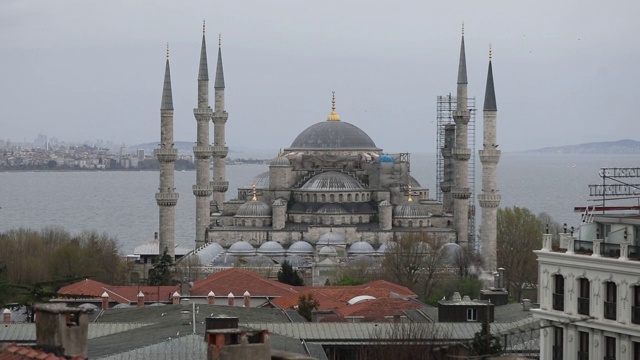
(489,200)
(166,197)
(461,154)
(220,150)
(202,151)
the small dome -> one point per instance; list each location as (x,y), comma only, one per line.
(225,260)
(331,209)
(361,248)
(254,209)
(450,253)
(280,160)
(300,248)
(260,261)
(208,253)
(241,248)
(271,248)
(332,181)
(297,261)
(414,183)
(410,210)
(261,181)
(328,251)
(386,247)
(331,238)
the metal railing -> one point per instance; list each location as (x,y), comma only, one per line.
(634,252)
(610,250)
(583,306)
(558,302)
(583,247)
(610,310)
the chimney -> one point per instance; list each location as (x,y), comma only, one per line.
(105,301)
(6,316)
(247,299)
(211,298)
(230,299)
(501,272)
(140,299)
(176,298)
(62,330)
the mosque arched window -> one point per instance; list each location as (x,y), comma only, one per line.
(348,197)
(343,220)
(264,223)
(331,220)
(400,223)
(320,220)
(357,197)
(340,198)
(315,198)
(420,223)
(332,198)
(306,197)
(253,223)
(410,223)
(323,198)
(360,219)
(243,223)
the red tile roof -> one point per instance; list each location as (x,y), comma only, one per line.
(120,294)
(14,352)
(237,281)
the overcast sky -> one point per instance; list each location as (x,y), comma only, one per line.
(565,71)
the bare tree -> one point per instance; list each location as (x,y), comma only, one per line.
(408,341)
(519,233)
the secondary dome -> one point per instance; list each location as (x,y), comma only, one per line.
(280,160)
(361,248)
(410,210)
(241,248)
(261,181)
(271,247)
(333,135)
(300,248)
(332,181)
(254,209)
(331,238)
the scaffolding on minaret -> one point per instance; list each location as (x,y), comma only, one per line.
(446,106)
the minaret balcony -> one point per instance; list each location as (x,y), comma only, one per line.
(489,156)
(166,154)
(462,154)
(445,186)
(200,190)
(166,199)
(202,152)
(461,117)
(220,186)
(489,200)
(446,152)
(461,193)
(220,151)
(220,117)
(203,114)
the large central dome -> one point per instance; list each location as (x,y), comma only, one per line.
(333,135)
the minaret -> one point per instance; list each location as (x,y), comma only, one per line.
(220,151)
(202,151)
(489,156)
(461,155)
(166,197)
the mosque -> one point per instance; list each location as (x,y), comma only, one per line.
(331,196)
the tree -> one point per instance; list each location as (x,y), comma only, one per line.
(484,343)
(519,233)
(307,304)
(349,281)
(412,261)
(287,275)
(160,273)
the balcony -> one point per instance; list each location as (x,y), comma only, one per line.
(610,310)
(557,353)
(610,250)
(583,355)
(583,306)
(634,252)
(558,302)
(583,247)
(635,314)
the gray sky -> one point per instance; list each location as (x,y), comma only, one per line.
(566,71)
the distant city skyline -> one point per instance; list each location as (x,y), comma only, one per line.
(565,72)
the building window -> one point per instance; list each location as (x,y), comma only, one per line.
(557,343)
(323,198)
(472,314)
(636,350)
(340,198)
(635,308)
(610,300)
(583,296)
(348,197)
(583,345)
(609,348)
(357,197)
(332,198)
(558,292)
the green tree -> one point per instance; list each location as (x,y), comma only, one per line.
(287,275)
(519,233)
(161,272)
(307,304)
(484,343)
(349,281)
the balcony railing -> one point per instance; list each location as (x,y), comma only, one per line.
(583,247)
(583,355)
(557,353)
(635,314)
(610,310)
(634,252)
(583,306)
(558,302)
(610,250)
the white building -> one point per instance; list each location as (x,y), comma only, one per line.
(589,290)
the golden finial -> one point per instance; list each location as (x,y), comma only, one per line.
(333,116)
(463,28)
(410,198)
(490,52)
(253,190)
(167,51)
(219,39)
(203,25)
